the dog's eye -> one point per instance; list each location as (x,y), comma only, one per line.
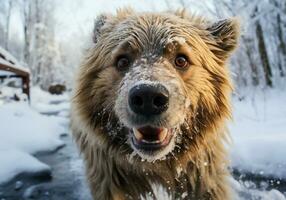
(122,63)
(181,62)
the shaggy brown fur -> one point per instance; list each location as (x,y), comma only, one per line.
(197,166)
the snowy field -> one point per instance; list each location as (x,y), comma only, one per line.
(258,132)
(24,132)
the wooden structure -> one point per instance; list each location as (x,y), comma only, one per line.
(9,65)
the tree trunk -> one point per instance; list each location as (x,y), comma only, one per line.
(6,40)
(27,31)
(38,61)
(281,48)
(263,55)
(249,50)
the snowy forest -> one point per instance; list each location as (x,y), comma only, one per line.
(48,39)
(35,44)
(259,61)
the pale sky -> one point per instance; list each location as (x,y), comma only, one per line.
(74,16)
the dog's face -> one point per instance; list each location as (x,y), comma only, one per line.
(153,97)
(153,78)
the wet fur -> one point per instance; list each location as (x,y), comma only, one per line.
(196,167)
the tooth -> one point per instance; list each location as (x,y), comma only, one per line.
(137,134)
(163,134)
(151,142)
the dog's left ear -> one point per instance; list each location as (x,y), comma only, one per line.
(225,33)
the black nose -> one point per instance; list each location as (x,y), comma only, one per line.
(147,99)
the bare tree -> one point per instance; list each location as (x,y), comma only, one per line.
(7,29)
(263,55)
(27,21)
(281,36)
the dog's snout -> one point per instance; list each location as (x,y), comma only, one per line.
(147,99)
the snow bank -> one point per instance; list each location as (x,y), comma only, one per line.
(25,129)
(49,104)
(23,132)
(38,96)
(14,162)
(7,93)
(259,134)
(241,191)
(248,191)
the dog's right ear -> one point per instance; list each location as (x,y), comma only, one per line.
(98,25)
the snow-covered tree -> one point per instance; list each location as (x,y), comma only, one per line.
(41,50)
(5,15)
(260,60)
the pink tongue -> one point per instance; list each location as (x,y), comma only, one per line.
(149,133)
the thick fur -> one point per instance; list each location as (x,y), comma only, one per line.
(197,166)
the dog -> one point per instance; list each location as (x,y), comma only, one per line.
(150,105)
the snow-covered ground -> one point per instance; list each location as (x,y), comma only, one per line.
(247,191)
(258,132)
(24,132)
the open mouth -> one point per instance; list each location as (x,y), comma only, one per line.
(150,138)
